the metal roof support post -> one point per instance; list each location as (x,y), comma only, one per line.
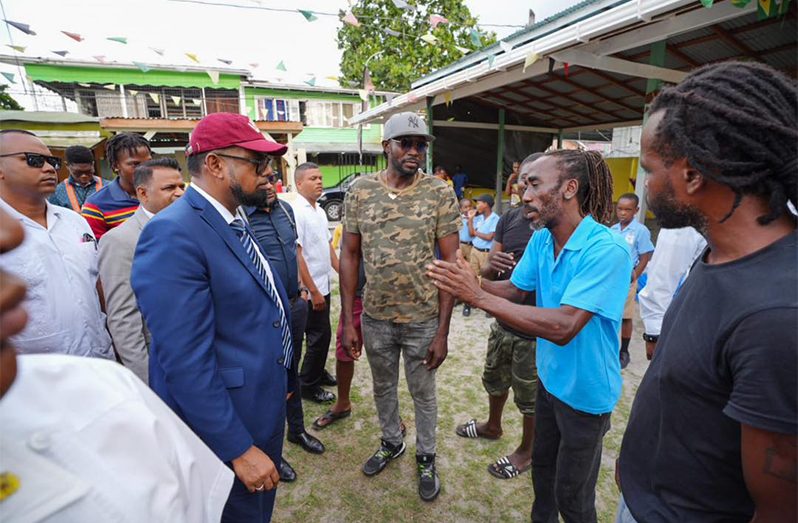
(500,164)
(430,99)
(124,100)
(658,53)
(559,139)
(204,103)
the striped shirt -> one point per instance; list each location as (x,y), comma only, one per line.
(108,208)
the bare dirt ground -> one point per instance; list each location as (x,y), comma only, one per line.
(332,488)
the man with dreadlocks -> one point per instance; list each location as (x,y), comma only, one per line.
(712,433)
(579,271)
(116,202)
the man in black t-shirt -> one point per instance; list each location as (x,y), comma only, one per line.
(712,432)
(510,358)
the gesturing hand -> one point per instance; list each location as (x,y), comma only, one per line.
(501,261)
(455,278)
(256,470)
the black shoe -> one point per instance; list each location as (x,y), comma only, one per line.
(287,472)
(385,454)
(466,310)
(429,486)
(318,395)
(307,442)
(625,359)
(327,379)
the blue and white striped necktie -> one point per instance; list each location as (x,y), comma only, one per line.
(249,245)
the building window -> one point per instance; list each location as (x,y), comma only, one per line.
(330,114)
(277,110)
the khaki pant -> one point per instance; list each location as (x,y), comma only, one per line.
(478,260)
(465,248)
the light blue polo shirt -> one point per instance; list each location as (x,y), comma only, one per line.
(590,273)
(637,237)
(465,236)
(485,226)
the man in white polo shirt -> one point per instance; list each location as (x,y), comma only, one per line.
(316,255)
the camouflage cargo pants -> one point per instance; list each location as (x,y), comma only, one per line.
(384,341)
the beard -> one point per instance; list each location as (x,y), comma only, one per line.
(672,214)
(399,167)
(259,198)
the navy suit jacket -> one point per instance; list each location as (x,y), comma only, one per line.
(216,355)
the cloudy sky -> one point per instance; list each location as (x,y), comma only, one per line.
(245,36)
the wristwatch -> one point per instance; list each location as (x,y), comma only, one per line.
(650,337)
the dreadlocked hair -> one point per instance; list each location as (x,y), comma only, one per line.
(595,181)
(737,124)
(129,142)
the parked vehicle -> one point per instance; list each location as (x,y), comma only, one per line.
(332,199)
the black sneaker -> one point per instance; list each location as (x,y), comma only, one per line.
(625,359)
(429,486)
(385,454)
(466,310)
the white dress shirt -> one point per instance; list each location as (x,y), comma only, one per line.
(313,232)
(676,251)
(228,217)
(88,441)
(59,266)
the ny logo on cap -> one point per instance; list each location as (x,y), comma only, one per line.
(412,121)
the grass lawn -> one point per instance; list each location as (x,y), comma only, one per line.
(332,488)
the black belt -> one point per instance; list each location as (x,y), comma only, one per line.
(482,250)
(465,243)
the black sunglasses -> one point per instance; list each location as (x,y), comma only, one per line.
(261,164)
(408,143)
(37,160)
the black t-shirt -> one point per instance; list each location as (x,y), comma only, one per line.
(727,355)
(514,231)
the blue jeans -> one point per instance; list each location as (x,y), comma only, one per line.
(624,516)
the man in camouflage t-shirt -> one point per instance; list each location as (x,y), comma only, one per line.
(395,219)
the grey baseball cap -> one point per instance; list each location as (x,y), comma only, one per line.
(405,124)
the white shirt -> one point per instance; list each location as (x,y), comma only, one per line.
(676,251)
(59,266)
(88,441)
(313,232)
(228,217)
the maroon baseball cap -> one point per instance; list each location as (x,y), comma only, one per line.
(221,130)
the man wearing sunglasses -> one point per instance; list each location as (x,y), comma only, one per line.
(395,219)
(218,315)
(81,183)
(58,259)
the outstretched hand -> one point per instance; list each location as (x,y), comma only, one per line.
(456,278)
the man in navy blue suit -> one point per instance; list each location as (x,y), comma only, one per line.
(219,318)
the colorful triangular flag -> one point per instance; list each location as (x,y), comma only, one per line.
(9,77)
(225,61)
(175,99)
(142,66)
(429,38)
(61,53)
(530,59)
(17,48)
(476,41)
(401,4)
(566,68)
(110,87)
(196,101)
(350,19)
(311,82)
(368,84)
(100,58)
(435,20)
(391,32)
(25,28)
(214,76)
(193,57)
(84,85)
(491,60)
(75,36)
(707,3)
(281,66)
(132,92)
(740,3)
(463,49)
(447,98)
(363,94)
(118,39)
(155,97)
(332,78)
(157,51)
(253,65)
(309,16)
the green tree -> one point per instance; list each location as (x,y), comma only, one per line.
(6,102)
(396,61)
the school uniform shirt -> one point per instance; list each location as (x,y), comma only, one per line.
(313,231)
(85,440)
(59,265)
(484,226)
(637,237)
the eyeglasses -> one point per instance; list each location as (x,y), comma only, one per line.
(37,160)
(261,164)
(408,143)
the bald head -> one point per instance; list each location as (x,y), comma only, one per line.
(19,180)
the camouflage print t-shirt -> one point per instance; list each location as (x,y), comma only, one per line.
(398,231)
